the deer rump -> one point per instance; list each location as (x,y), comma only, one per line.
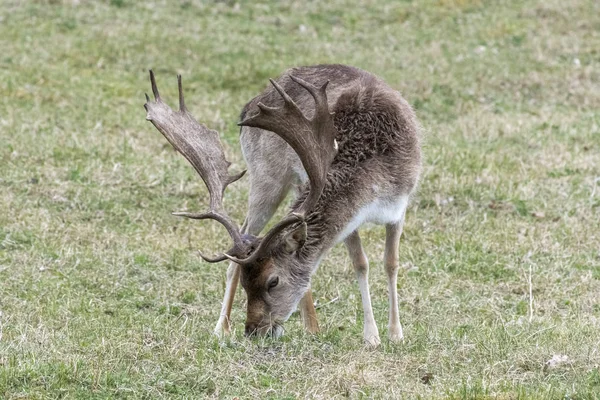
(347,143)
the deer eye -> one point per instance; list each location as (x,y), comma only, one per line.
(273,282)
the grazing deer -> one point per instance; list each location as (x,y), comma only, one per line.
(349,143)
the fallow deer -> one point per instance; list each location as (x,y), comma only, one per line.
(350,145)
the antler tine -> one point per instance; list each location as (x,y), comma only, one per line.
(286,97)
(154,87)
(220,258)
(319,94)
(312,139)
(182,107)
(203,149)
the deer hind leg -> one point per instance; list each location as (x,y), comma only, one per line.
(361,267)
(392,240)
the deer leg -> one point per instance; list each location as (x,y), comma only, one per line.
(308,313)
(361,267)
(223,326)
(392,239)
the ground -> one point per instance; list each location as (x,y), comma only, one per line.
(102,293)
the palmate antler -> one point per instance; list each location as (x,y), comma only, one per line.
(202,148)
(312,139)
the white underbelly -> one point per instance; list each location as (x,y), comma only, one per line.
(381,211)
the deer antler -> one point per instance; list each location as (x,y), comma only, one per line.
(312,139)
(202,148)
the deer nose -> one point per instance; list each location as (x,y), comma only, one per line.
(250,329)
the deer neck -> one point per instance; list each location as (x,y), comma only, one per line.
(326,223)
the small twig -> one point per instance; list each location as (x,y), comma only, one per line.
(596,182)
(329,302)
(539,331)
(530,293)
(185,321)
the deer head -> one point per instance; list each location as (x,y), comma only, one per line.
(273,274)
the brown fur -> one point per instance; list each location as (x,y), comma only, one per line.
(379,146)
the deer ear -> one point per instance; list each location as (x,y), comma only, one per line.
(295,239)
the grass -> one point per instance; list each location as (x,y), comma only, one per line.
(103,296)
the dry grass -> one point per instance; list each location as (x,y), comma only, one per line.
(102,295)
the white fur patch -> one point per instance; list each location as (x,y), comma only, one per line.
(381,211)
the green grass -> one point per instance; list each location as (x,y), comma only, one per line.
(103,296)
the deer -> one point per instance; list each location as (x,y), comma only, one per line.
(349,146)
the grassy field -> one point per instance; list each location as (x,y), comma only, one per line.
(102,294)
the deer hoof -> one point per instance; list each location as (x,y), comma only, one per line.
(396,335)
(372,341)
(222,330)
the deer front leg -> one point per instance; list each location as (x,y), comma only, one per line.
(223,326)
(392,240)
(361,267)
